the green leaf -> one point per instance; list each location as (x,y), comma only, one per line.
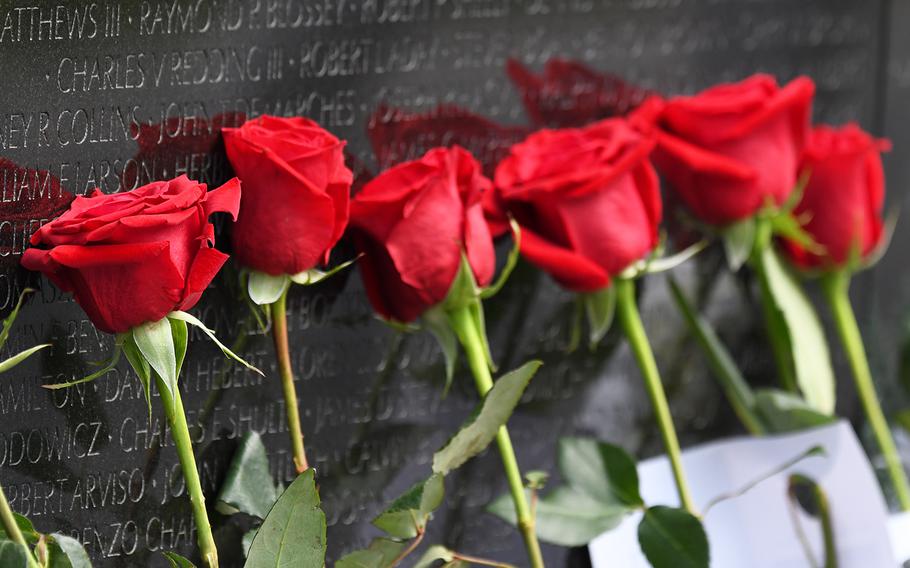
(600,308)
(293,533)
(25,527)
(11,318)
(670,262)
(673,538)
(536,479)
(192,320)
(566,516)
(511,263)
(155,341)
(247,541)
(601,471)
(71,549)
(248,486)
(805,334)
(438,323)
(408,514)
(265,289)
(20,357)
(177,561)
(786,412)
(108,367)
(723,367)
(381,553)
(739,240)
(314,276)
(142,369)
(490,415)
(13,555)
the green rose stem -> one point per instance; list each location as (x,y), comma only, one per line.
(180,432)
(474,345)
(12,528)
(280,336)
(836,288)
(629,318)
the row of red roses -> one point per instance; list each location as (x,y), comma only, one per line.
(587,201)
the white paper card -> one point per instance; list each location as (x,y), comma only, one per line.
(756,530)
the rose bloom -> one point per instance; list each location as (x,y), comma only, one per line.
(132,258)
(412,223)
(733,148)
(844,197)
(587,201)
(296,191)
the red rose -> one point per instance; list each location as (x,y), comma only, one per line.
(844,197)
(733,148)
(587,201)
(132,258)
(295,193)
(412,223)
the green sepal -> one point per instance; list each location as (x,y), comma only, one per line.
(876,254)
(155,341)
(511,263)
(437,322)
(265,289)
(739,242)
(192,320)
(181,338)
(108,367)
(666,263)
(600,307)
(464,291)
(177,561)
(399,326)
(788,226)
(141,367)
(11,318)
(796,194)
(8,364)
(314,276)
(656,262)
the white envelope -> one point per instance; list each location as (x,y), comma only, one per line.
(756,530)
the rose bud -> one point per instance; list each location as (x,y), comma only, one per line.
(732,149)
(134,257)
(413,222)
(295,193)
(842,202)
(587,201)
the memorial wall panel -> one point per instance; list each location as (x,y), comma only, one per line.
(117,94)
